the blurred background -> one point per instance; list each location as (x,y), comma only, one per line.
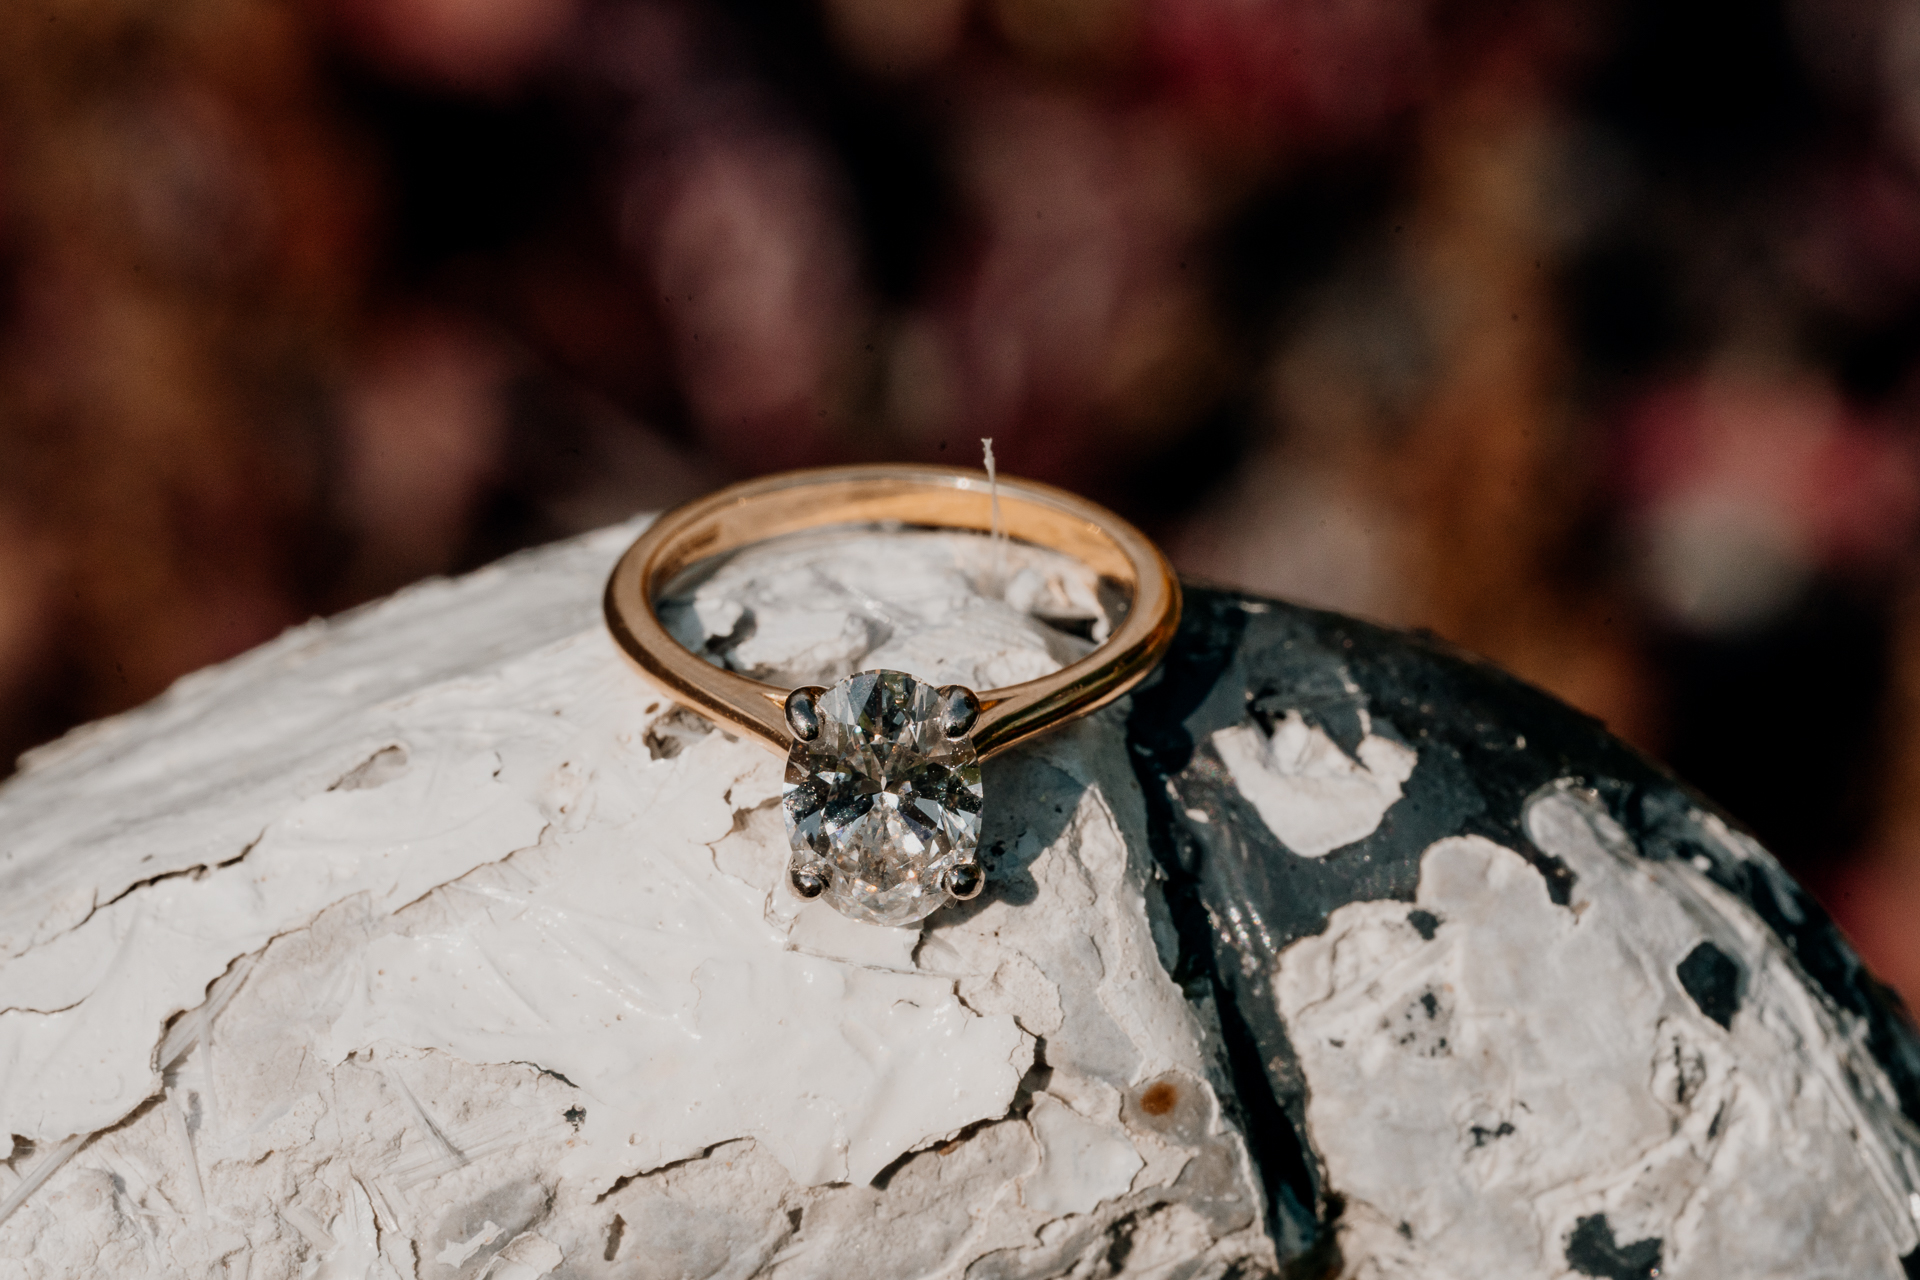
(1585,333)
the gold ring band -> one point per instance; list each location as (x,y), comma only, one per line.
(883,790)
(917,496)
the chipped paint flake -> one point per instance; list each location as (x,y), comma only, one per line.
(1082,1161)
(1311,794)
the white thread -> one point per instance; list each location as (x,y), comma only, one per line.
(998,531)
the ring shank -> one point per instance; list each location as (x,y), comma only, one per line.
(926,496)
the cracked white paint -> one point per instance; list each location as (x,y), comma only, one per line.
(1082,1161)
(1477,1093)
(1311,794)
(527,1256)
(610,958)
(151,953)
(513,986)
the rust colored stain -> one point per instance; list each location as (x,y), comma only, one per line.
(1159,1098)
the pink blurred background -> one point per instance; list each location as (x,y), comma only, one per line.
(1585,333)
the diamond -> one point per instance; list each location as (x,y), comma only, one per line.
(881,802)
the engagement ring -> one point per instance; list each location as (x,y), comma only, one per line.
(882,795)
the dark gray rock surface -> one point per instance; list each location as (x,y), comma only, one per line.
(1489,747)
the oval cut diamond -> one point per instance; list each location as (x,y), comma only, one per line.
(883,797)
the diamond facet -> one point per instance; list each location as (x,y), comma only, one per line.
(881,802)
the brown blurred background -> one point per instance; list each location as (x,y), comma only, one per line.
(1583,332)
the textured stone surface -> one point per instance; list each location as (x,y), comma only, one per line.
(1482,1038)
(428,943)
(506,979)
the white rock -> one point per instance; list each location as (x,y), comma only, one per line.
(504,981)
(1481,1081)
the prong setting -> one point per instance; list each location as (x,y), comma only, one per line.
(807,882)
(965,880)
(959,709)
(803,713)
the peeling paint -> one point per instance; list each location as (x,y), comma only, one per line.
(1312,795)
(1385,1079)
(518,964)
(498,948)
(1532,1084)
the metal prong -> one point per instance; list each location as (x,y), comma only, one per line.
(803,716)
(807,882)
(958,709)
(965,880)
